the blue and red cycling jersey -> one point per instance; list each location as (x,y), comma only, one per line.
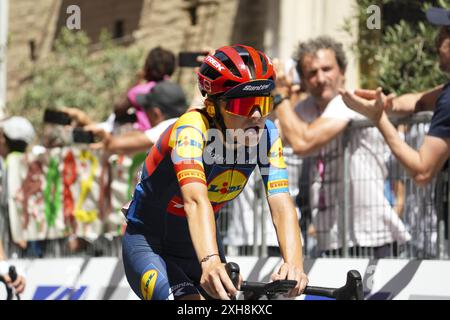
(187,152)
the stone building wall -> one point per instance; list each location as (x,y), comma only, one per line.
(178,25)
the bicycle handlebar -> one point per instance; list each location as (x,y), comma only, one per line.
(352,290)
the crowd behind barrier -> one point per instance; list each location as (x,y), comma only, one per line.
(418,215)
(77,193)
(63,194)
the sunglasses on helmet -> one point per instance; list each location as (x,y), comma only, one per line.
(245,106)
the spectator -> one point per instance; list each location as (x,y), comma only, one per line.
(163,105)
(159,66)
(425,163)
(16,133)
(315,126)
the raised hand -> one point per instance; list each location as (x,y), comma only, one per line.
(370,103)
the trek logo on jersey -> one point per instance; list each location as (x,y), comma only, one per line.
(189,143)
(276,155)
(278,184)
(226,186)
(216,64)
(148,282)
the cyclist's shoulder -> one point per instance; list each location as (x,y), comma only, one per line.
(193,118)
(192,126)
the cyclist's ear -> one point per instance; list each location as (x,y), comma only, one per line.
(210,107)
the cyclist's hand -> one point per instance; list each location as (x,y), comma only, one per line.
(216,281)
(18,285)
(289,271)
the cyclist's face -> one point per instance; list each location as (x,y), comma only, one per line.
(321,75)
(443,49)
(252,125)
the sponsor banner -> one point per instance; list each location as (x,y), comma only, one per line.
(104,279)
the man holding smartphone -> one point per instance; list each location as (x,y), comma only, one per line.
(163,105)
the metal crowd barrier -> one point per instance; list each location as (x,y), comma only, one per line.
(246,227)
(364,205)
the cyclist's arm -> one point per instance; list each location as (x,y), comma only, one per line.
(200,216)
(288,232)
(188,140)
(284,217)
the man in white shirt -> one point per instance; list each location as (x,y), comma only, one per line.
(315,127)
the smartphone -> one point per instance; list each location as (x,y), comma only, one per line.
(189,59)
(56,117)
(81,136)
(127,118)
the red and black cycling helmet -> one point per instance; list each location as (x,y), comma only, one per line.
(236,71)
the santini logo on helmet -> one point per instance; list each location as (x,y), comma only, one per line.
(254,88)
(251,88)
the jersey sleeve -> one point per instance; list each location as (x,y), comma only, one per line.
(188,139)
(271,162)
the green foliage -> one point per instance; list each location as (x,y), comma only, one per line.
(78,74)
(401,57)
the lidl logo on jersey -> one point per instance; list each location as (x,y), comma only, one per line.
(276,155)
(189,143)
(148,282)
(59,293)
(226,186)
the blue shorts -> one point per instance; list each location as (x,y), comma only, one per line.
(154,275)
